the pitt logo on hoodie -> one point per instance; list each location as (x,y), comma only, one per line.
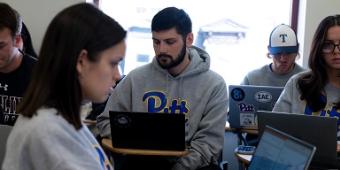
(158,102)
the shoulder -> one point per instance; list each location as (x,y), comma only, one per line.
(214,76)
(298,68)
(140,69)
(136,75)
(292,83)
(34,131)
(46,114)
(27,59)
(299,75)
(45,122)
(28,63)
(209,80)
(259,71)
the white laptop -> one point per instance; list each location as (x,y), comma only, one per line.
(245,100)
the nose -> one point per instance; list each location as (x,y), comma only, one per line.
(337,48)
(116,74)
(162,47)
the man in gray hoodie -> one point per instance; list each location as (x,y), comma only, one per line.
(179,81)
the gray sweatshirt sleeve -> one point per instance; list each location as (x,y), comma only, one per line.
(123,92)
(207,142)
(290,98)
(284,103)
(103,120)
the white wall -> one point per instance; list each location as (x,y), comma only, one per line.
(37,14)
(311,12)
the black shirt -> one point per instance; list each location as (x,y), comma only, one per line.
(14,84)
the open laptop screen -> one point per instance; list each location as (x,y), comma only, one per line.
(278,150)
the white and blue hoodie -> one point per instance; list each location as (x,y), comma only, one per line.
(198,92)
(48,142)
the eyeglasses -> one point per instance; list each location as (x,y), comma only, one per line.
(329,47)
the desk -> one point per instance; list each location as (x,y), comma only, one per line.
(245,159)
(249,131)
(89,122)
(107,143)
(255,132)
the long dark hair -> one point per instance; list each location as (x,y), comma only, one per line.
(312,83)
(55,79)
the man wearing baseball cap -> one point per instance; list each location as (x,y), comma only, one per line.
(283,50)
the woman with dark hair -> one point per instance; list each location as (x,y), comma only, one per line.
(78,63)
(317,91)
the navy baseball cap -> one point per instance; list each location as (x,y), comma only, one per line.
(283,40)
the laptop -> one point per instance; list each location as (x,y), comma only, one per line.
(245,100)
(278,150)
(152,131)
(316,130)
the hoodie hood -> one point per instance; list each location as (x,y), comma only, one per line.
(199,62)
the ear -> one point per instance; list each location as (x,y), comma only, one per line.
(189,39)
(82,61)
(18,42)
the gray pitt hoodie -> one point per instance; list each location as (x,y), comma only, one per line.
(197,92)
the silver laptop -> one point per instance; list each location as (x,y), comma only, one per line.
(245,100)
(278,150)
(319,131)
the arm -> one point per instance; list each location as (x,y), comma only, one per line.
(284,103)
(119,99)
(207,142)
(57,147)
(103,120)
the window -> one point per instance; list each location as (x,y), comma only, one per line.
(234,33)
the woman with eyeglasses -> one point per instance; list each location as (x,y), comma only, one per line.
(317,91)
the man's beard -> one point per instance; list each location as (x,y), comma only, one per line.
(173,63)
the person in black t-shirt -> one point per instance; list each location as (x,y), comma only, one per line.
(15,66)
